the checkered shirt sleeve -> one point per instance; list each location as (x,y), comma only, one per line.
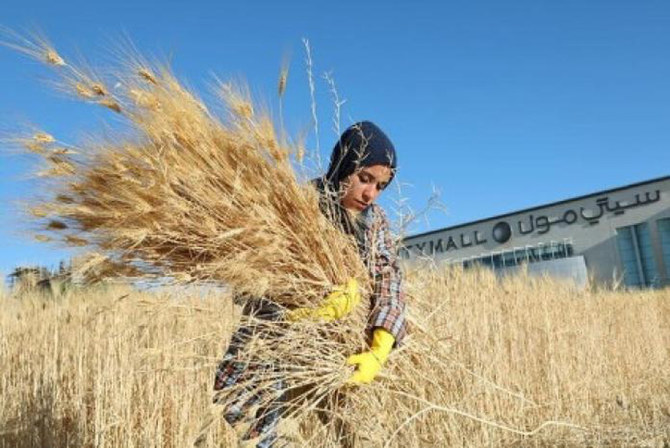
(388,301)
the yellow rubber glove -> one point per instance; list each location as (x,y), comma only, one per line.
(336,305)
(371,362)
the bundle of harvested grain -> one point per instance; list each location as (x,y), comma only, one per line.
(186,194)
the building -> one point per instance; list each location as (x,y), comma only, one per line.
(616,236)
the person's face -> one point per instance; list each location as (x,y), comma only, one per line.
(363,187)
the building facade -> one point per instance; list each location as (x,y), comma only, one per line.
(621,235)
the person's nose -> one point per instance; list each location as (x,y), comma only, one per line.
(369,193)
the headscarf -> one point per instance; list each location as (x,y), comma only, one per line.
(361,144)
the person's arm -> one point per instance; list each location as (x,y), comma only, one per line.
(387,321)
(388,300)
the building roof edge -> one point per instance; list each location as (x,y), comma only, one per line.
(538,207)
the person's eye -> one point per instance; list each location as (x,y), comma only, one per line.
(364,178)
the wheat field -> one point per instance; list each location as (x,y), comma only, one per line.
(532,362)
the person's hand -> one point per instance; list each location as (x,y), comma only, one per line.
(370,363)
(336,305)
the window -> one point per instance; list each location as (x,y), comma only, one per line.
(637,255)
(533,254)
(497,261)
(664,232)
(548,251)
(631,273)
(508,259)
(520,255)
(647,254)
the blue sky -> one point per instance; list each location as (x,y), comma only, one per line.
(500,105)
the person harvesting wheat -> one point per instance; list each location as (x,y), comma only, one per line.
(362,164)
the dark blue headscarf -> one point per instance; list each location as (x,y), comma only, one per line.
(362,144)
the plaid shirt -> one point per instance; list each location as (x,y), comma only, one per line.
(378,251)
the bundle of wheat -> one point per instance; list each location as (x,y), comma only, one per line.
(186,194)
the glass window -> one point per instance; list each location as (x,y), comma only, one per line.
(521,255)
(664,232)
(508,259)
(646,254)
(497,260)
(631,273)
(637,255)
(533,254)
